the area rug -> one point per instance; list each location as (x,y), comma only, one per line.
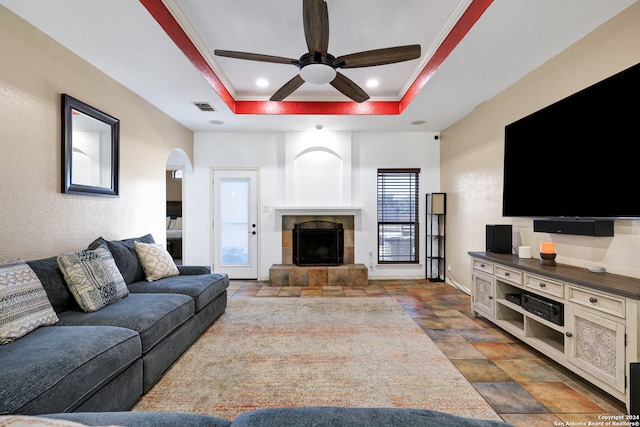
(276,352)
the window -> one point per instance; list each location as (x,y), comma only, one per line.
(398,216)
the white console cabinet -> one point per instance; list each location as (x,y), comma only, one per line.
(596,334)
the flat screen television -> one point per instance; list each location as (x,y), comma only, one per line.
(579,157)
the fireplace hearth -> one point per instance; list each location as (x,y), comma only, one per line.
(318,243)
(289,274)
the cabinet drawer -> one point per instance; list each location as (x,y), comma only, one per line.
(544,286)
(480,265)
(601,302)
(507,274)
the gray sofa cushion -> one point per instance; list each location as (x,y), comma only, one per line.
(329,416)
(52,280)
(203,288)
(124,253)
(56,368)
(153,316)
(143,419)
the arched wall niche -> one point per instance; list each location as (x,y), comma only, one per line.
(317,169)
(318,175)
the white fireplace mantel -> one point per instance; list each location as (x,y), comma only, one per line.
(318,210)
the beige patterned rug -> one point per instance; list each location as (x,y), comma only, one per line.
(276,352)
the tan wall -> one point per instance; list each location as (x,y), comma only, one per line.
(36,219)
(472,155)
(174,188)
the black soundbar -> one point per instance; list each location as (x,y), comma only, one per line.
(581,227)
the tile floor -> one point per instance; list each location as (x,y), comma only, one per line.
(522,385)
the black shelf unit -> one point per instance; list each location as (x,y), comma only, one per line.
(435,225)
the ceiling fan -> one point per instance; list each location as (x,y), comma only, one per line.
(318,66)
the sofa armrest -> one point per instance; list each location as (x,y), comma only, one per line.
(194,269)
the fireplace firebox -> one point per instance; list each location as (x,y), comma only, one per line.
(318,243)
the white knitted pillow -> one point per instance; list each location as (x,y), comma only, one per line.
(156,261)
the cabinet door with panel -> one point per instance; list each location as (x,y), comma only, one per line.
(596,345)
(484,293)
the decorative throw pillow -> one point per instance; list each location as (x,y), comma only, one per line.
(124,253)
(93,278)
(24,305)
(30,421)
(156,261)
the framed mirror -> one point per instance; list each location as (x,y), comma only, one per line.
(90,150)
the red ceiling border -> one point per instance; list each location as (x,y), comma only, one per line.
(167,22)
(317,108)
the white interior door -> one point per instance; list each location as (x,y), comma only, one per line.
(235,223)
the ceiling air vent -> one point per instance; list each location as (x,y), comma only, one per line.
(204,106)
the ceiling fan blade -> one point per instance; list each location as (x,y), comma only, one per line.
(369,58)
(349,88)
(255,57)
(287,89)
(316,25)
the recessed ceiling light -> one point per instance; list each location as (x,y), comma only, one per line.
(373,83)
(262,83)
(418,122)
(216,122)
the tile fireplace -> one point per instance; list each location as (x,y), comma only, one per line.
(345,273)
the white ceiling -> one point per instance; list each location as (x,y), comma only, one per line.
(123,39)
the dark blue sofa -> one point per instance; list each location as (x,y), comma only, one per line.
(322,416)
(105,360)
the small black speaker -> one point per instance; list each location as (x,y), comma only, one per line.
(499,238)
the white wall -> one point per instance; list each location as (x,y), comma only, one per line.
(232,150)
(274,154)
(392,150)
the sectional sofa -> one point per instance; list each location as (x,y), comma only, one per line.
(89,347)
(320,416)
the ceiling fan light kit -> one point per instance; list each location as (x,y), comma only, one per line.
(319,67)
(318,74)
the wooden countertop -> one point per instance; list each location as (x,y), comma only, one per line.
(608,282)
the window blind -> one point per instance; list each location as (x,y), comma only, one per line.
(398,201)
